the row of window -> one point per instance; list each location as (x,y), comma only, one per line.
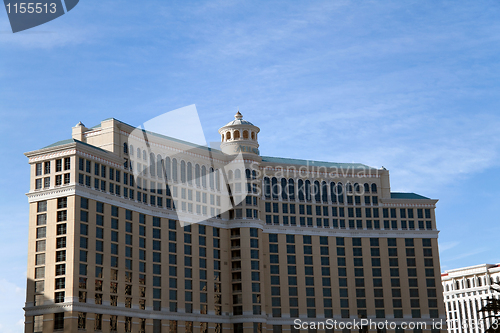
(321,191)
(124,324)
(98,323)
(160,201)
(306,190)
(345,224)
(320,210)
(203,177)
(45,167)
(45,182)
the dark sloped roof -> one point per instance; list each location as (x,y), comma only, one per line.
(63,142)
(60,143)
(404,195)
(314,163)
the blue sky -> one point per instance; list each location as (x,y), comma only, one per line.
(409,85)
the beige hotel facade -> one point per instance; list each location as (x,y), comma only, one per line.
(132,231)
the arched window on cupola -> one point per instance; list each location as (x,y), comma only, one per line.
(236,135)
(245,134)
(253,136)
(228,135)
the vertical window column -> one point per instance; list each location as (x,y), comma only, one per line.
(342,272)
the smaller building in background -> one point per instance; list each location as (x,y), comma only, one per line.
(465,292)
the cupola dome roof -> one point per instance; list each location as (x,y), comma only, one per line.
(238,120)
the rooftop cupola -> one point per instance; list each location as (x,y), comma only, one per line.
(239,135)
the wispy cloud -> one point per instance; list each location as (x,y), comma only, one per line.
(447,246)
(45,38)
(469,253)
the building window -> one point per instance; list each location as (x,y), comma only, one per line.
(40,259)
(60,256)
(60,283)
(62,215)
(60,242)
(82,320)
(60,269)
(59,321)
(67,163)
(46,167)
(58,298)
(38,169)
(41,206)
(58,165)
(39,272)
(40,246)
(41,232)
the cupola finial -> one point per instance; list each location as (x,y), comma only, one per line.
(238,115)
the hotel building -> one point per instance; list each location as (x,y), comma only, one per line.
(132,231)
(466,291)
